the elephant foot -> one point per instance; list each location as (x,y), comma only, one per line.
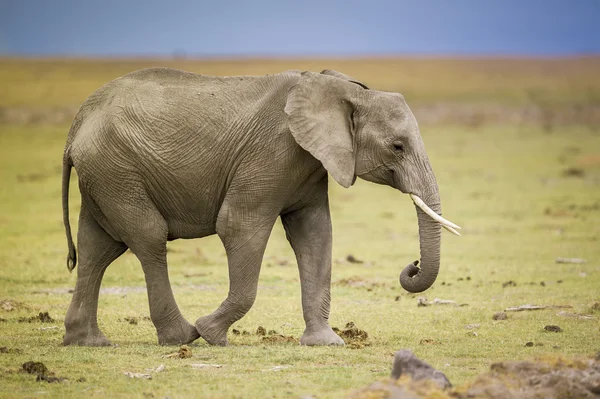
(179,332)
(92,337)
(212,331)
(323,336)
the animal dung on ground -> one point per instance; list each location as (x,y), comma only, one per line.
(42,317)
(354,337)
(499,316)
(351,259)
(41,371)
(261,331)
(553,328)
(184,352)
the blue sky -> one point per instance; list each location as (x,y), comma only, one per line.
(299,27)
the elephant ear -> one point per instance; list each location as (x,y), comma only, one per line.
(319,110)
(340,75)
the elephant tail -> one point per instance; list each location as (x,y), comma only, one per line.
(66,177)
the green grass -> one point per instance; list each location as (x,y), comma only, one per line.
(504,185)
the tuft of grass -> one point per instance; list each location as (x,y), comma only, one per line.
(503,184)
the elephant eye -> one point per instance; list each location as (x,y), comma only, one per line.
(398,146)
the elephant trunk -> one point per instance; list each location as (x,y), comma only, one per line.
(415,279)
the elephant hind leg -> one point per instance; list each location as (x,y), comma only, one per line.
(97,250)
(147,237)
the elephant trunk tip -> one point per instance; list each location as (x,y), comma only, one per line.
(410,279)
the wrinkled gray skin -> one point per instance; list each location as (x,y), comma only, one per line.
(163,154)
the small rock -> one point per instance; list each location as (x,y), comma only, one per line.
(500,316)
(529,344)
(138,375)
(553,328)
(592,383)
(205,366)
(406,363)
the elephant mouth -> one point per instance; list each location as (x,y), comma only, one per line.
(448,225)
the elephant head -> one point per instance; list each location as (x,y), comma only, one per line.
(357,132)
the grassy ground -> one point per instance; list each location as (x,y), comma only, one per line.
(523,196)
(508,81)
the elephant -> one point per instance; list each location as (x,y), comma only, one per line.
(163,154)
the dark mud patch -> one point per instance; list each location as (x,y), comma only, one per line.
(42,317)
(354,337)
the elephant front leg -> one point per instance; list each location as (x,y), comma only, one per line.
(309,232)
(244,233)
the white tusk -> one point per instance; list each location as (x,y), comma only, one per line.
(451,230)
(446,223)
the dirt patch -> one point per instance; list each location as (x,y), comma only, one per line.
(4,349)
(8,305)
(359,282)
(354,337)
(42,317)
(551,377)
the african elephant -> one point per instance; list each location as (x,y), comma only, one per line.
(163,154)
